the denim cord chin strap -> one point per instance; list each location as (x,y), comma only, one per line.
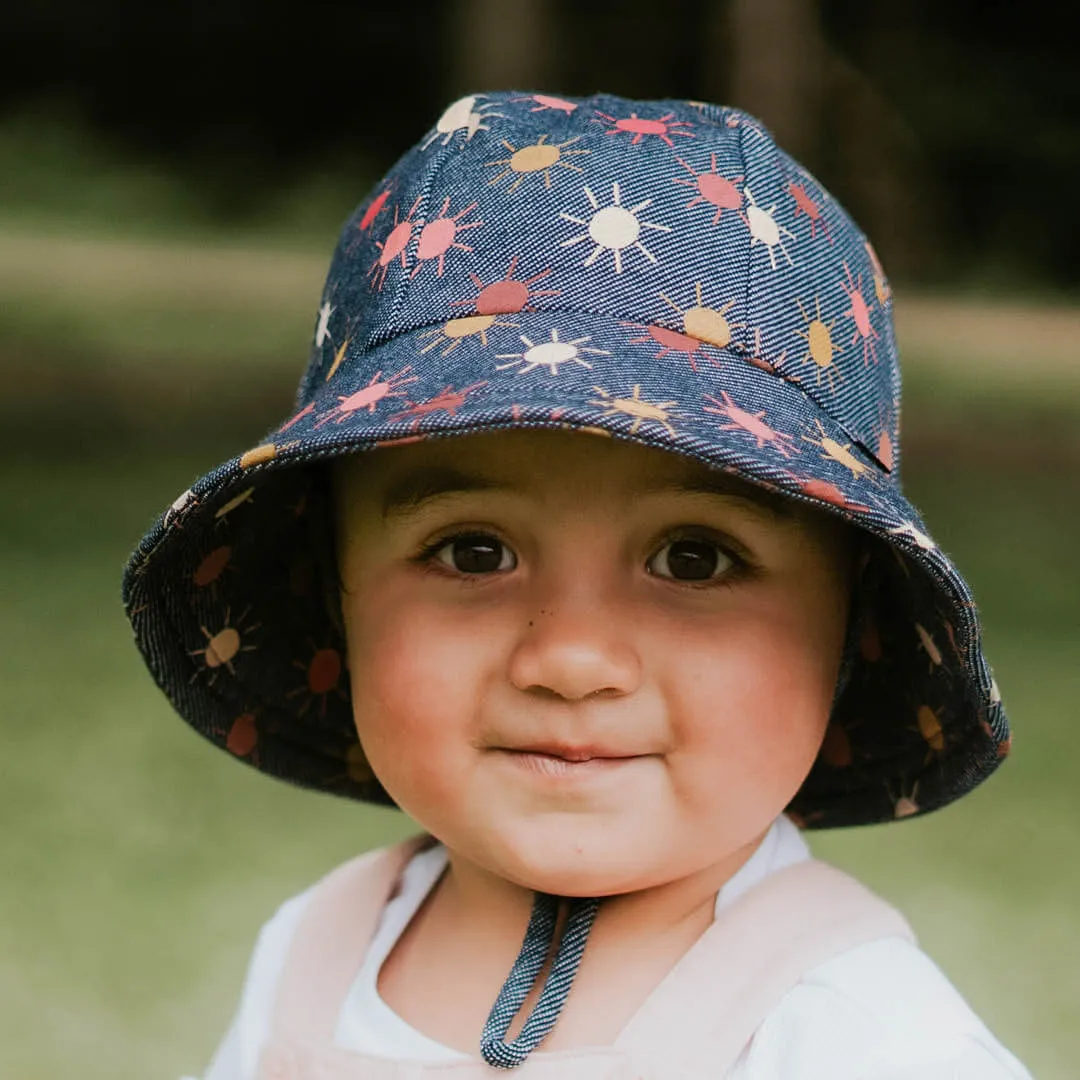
(539,936)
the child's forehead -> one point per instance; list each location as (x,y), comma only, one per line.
(536,462)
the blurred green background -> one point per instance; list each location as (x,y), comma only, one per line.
(170,189)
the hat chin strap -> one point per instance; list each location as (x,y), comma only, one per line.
(535,949)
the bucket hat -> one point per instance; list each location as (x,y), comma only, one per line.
(656,271)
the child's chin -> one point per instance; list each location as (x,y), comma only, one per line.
(571,865)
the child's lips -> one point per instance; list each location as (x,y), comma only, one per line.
(568,761)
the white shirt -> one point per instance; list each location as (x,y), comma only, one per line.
(881,1011)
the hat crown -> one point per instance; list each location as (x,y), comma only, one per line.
(683,220)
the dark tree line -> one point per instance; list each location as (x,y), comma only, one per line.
(951,130)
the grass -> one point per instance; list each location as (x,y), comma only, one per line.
(124,304)
(140,861)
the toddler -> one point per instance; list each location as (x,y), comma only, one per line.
(655,607)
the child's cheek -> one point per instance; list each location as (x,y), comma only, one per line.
(750,721)
(416,681)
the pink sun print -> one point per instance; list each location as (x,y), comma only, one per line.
(860,312)
(378,205)
(438,237)
(393,247)
(368,396)
(805,204)
(639,127)
(672,341)
(507,296)
(712,188)
(752,423)
(448,400)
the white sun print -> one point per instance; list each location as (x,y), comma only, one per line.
(322,331)
(765,230)
(918,536)
(612,228)
(462,115)
(549,354)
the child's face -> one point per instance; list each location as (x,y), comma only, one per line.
(587,666)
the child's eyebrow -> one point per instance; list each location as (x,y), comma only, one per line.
(755,499)
(408,494)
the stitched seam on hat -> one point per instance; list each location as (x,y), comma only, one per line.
(749,331)
(738,354)
(691,427)
(440,156)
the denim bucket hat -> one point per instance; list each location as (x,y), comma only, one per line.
(657,271)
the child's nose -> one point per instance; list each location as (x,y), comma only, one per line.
(574,651)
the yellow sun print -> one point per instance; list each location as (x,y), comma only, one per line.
(538,157)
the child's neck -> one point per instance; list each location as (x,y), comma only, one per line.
(445,971)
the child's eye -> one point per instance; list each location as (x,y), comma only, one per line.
(690,559)
(475,553)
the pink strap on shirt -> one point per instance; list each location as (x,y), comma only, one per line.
(696,1023)
(332,939)
(715,998)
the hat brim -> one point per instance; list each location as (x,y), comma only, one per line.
(234,610)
